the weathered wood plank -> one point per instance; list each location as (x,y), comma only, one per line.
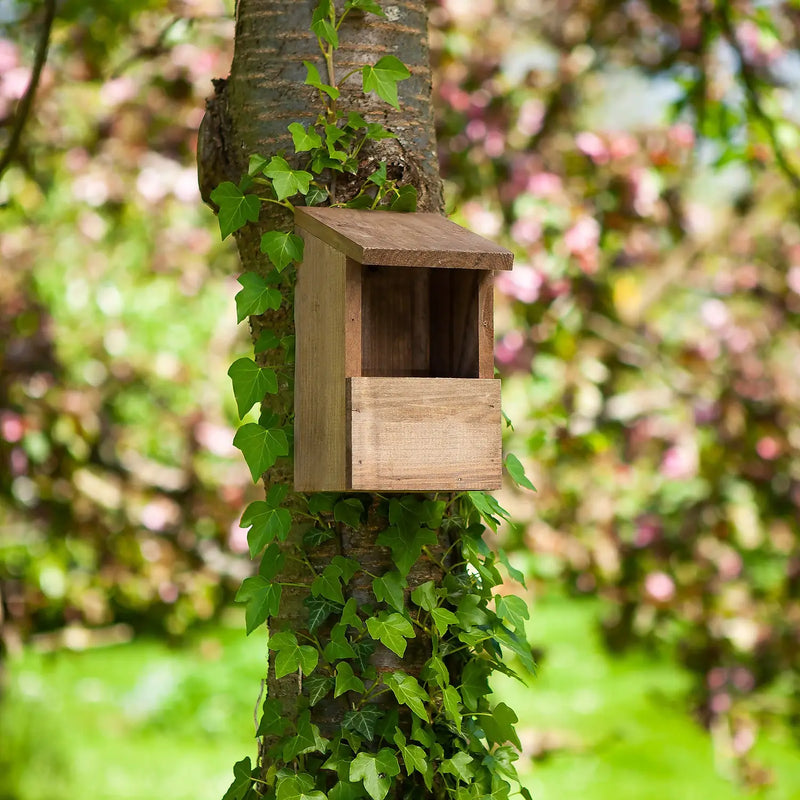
(386,238)
(417,434)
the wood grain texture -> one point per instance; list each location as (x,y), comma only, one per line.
(424,434)
(385,238)
(319,403)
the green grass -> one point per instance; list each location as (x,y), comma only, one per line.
(143,721)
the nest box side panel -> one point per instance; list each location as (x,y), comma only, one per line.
(320,313)
(424,434)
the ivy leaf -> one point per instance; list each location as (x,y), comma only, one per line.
(488,508)
(391,630)
(256,164)
(313,79)
(267,340)
(389,589)
(414,758)
(376,132)
(250,383)
(304,139)
(425,596)
(318,687)
(406,547)
(338,647)
(272,722)
(452,705)
(383,77)
(513,609)
(329,584)
(517,472)
(367,6)
(468,612)
(285,180)
(282,248)
(364,721)
(498,725)
(260,447)
(346,680)
(319,609)
(379,176)
(516,574)
(314,537)
(292,656)
(376,771)
(298,787)
(344,790)
(271,562)
(459,766)
(350,614)
(263,600)
(236,209)
(408,693)
(474,683)
(268,523)
(442,617)
(349,512)
(406,199)
(363,651)
(322,502)
(241,780)
(347,566)
(256,296)
(316,195)
(435,671)
(322,27)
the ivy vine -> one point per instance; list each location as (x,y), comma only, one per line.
(442,737)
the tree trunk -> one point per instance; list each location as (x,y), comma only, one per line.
(249,113)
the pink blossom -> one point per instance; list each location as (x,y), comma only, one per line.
(679,463)
(660,587)
(237,538)
(11,426)
(646,191)
(168,592)
(715,313)
(522,283)
(476,130)
(729,565)
(743,741)
(507,349)
(768,447)
(14,82)
(9,58)
(481,219)
(592,145)
(531,114)
(622,145)
(583,237)
(793,278)
(118,91)
(526,231)
(682,135)
(495,144)
(545,184)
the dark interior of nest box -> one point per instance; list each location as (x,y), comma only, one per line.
(421,322)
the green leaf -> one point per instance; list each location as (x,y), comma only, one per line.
(488,508)
(376,132)
(322,27)
(376,771)
(364,721)
(379,176)
(329,584)
(338,647)
(256,296)
(415,758)
(261,447)
(408,692)
(389,589)
(262,598)
(298,787)
(236,209)
(367,6)
(273,722)
(316,195)
(459,766)
(452,705)
(349,512)
(516,574)
(271,562)
(344,790)
(513,609)
(391,630)
(322,502)
(250,383)
(384,77)
(304,139)
(241,780)
(285,180)
(267,524)
(517,472)
(348,567)
(313,79)
(406,199)
(425,596)
(350,614)
(435,671)
(282,248)
(318,686)
(470,612)
(498,725)
(256,165)
(267,340)
(346,680)
(442,617)
(319,609)
(292,656)
(474,683)
(406,547)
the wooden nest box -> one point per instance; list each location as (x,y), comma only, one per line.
(394,386)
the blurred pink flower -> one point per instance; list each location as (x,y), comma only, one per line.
(118,91)
(715,313)
(679,462)
(743,741)
(545,184)
(507,349)
(622,145)
(592,145)
(14,82)
(583,236)
(768,447)
(11,426)
(9,57)
(526,231)
(720,703)
(646,191)
(682,135)
(481,219)
(531,114)
(476,130)
(522,283)
(793,278)
(660,587)
(237,538)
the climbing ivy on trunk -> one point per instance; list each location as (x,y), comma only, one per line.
(384,624)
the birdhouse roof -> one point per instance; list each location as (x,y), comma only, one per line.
(390,238)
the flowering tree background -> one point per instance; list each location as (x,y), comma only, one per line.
(640,158)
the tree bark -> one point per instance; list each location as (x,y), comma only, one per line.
(249,113)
